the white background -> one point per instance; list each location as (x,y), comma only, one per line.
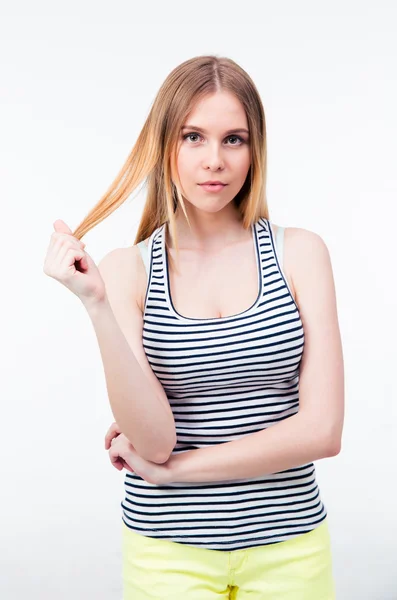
(77,80)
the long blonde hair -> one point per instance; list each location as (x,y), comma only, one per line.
(153,157)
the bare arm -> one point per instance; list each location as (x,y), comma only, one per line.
(138,401)
(315,431)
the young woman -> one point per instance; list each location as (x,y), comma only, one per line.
(222,355)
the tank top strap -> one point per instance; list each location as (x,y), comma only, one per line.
(144,250)
(280,244)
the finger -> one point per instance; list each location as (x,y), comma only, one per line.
(126,465)
(62,241)
(57,250)
(66,262)
(116,461)
(111,434)
(62,236)
(61,227)
(67,258)
(108,440)
(83,265)
(109,431)
(113,431)
(114,458)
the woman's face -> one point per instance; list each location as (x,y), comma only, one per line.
(214,145)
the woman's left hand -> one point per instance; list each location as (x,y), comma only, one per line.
(122,454)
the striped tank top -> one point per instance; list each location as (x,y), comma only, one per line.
(225,378)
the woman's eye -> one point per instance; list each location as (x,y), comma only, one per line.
(189,135)
(237,137)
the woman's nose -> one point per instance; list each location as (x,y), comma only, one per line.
(213,158)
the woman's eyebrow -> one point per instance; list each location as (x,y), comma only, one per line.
(204,131)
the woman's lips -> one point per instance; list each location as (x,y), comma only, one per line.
(212,188)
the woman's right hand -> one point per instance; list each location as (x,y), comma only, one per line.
(117,458)
(113,431)
(67,262)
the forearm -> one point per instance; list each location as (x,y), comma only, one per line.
(141,415)
(290,443)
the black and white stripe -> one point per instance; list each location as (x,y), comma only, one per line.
(225,378)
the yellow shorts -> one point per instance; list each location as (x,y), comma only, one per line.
(296,569)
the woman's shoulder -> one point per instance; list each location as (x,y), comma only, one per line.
(302,248)
(303,240)
(123,270)
(120,259)
(298,239)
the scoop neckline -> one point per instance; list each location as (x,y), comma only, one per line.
(170,303)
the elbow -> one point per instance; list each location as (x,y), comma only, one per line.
(158,446)
(326,441)
(332,446)
(163,456)
(169,442)
(329,439)
(160,459)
